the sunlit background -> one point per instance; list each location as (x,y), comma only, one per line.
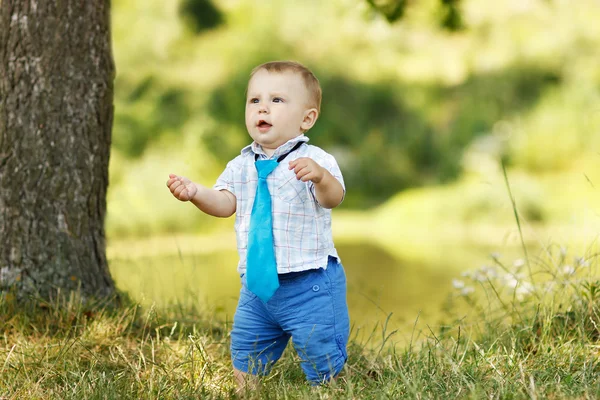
(419,117)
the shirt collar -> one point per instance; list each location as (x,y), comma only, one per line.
(255,148)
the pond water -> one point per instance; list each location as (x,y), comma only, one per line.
(379,283)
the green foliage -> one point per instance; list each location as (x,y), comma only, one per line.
(451,18)
(380,125)
(392,10)
(409,95)
(200,15)
(147,111)
(410,151)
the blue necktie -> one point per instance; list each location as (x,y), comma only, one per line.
(261,270)
(261,267)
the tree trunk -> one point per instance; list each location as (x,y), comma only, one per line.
(56,113)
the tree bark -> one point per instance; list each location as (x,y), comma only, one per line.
(56,113)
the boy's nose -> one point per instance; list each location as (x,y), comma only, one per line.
(263,109)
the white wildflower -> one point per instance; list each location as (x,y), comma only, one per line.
(519,262)
(581,262)
(467,290)
(568,270)
(495,255)
(512,282)
(524,288)
(458,284)
(487,272)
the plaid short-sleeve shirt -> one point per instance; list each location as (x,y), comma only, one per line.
(301,227)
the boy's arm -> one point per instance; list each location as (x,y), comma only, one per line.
(328,189)
(218,203)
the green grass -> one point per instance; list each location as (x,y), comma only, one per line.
(529,335)
(532,331)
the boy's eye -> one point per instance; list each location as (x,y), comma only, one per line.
(277,100)
(253,100)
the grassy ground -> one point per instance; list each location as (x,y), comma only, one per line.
(533,331)
(529,335)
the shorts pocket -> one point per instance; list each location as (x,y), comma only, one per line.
(246,296)
(339,339)
(311,299)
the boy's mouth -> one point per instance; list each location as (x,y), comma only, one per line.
(263,124)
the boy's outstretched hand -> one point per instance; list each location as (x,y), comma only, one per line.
(307,169)
(181,187)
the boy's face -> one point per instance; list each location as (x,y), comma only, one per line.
(277,108)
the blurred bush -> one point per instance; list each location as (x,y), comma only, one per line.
(403,103)
(149,110)
(200,15)
(382,142)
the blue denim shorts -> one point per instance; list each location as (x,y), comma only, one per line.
(310,307)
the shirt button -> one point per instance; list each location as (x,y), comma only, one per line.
(316,288)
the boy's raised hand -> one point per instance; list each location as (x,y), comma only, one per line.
(181,187)
(307,169)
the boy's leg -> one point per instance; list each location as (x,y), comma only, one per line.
(320,333)
(257,341)
(245,383)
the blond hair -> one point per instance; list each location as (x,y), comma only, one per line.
(310,80)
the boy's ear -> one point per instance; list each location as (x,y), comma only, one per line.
(310,117)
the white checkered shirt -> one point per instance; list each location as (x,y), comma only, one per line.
(301,227)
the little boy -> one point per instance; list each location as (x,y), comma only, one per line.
(282,191)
